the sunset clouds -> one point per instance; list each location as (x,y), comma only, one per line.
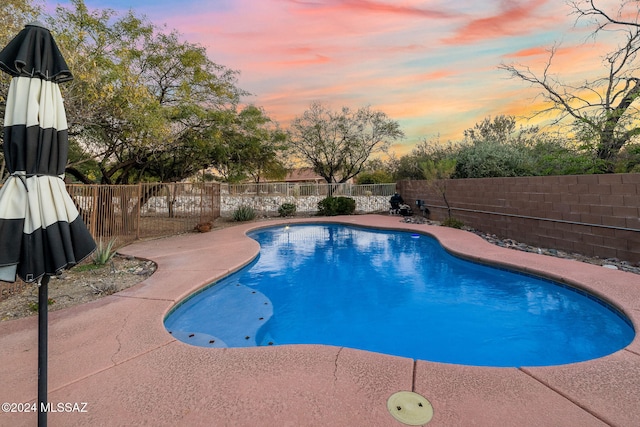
(507,19)
(430,64)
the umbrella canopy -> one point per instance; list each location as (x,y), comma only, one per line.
(41,230)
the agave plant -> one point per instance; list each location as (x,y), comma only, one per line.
(244,213)
(104,253)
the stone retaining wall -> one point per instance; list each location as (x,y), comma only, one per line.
(268,205)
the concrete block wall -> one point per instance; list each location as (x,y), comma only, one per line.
(595,215)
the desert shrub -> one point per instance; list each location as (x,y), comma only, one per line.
(628,160)
(492,159)
(346,205)
(558,157)
(327,206)
(331,206)
(244,213)
(452,222)
(287,209)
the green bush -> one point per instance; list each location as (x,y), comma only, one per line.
(287,209)
(555,157)
(327,206)
(628,160)
(331,206)
(244,213)
(346,205)
(489,159)
(452,222)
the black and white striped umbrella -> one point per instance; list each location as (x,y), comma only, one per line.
(41,231)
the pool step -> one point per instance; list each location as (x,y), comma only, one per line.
(235,315)
(199,339)
(267,339)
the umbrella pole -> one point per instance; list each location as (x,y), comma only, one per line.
(43,333)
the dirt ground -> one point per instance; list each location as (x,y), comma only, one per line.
(75,286)
(80,284)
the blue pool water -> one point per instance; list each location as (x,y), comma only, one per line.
(396,293)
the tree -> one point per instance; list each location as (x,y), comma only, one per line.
(14,15)
(409,165)
(377,171)
(338,144)
(500,130)
(254,146)
(143,104)
(437,174)
(379,176)
(555,155)
(606,107)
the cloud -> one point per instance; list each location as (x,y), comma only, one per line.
(312,59)
(511,18)
(431,64)
(369,6)
(532,51)
(438,75)
(575,62)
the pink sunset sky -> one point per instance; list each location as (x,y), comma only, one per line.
(432,65)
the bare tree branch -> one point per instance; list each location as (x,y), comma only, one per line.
(610,118)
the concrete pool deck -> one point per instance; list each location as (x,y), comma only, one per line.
(115,355)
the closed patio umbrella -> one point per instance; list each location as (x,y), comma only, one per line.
(41,231)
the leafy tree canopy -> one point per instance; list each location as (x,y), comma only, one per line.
(146,105)
(254,148)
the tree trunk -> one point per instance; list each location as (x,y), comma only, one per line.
(77,175)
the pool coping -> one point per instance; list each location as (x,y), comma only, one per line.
(115,355)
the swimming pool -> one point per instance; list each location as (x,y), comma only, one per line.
(397,293)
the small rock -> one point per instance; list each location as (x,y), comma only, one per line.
(610,266)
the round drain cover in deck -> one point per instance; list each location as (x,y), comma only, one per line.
(410,408)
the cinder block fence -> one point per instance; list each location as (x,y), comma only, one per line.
(595,215)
